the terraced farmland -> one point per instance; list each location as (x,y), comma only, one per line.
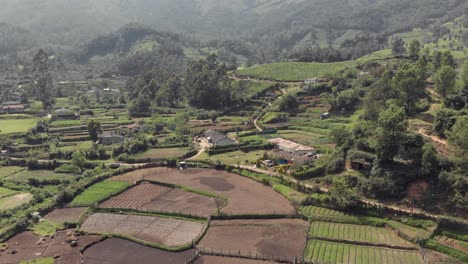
(157,198)
(163,231)
(325,214)
(320,251)
(357,233)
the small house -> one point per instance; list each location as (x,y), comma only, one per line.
(12,109)
(290,146)
(65,114)
(325,116)
(217,139)
(110,138)
(310,81)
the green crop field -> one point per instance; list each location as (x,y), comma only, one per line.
(4,192)
(8,126)
(248,89)
(319,251)
(329,215)
(7,171)
(15,200)
(409,232)
(300,71)
(24,175)
(39,261)
(99,192)
(358,233)
(163,153)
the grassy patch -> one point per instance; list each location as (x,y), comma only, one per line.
(39,261)
(24,175)
(8,126)
(163,153)
(4,192)
(46,228)
(248,89)
(232,158)
(15,200)
(432,244)
(290,193)
(99,192)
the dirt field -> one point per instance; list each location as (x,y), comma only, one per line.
(164,231)
(156,198)
(245,196)
(281,237)
(65,215)
(120,251)
(29,246)
(224,260)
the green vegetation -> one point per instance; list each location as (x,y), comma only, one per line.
(8,126)
(319,251)
(15,200)
(99,192)
(39,175)
(40,261)
(329,215)
(4,192)
(295,71)
(46,228)
(432,244)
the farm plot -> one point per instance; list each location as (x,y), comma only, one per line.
(98,193)
(4,192)
(319,251)
(9,170)
(409,232)
(245,195)
(29,246)
(324,214)
(155,154)
(24,175)
(120,251)
(158,230)
(450,242)
(279,238)
(15,200)
(226,260)
(17,125)
(70,215)
(156,198)
(358,233)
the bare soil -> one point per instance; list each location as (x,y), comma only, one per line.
(70,215)
(225,260)
(279,238)
(156,198)
(160,230)
(29,246)
(120,251)
(245,195)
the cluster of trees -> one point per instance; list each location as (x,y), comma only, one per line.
(205,86)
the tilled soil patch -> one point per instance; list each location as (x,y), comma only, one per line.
(245,195)
(65,215)
(120,251)
(156,198)
(277,238)
(160,230)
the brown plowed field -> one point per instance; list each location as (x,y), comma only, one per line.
(280,237)
(225,260)
(120,251)
(245,196)
(65,215)
(30,246)
(156,198)
(160,230)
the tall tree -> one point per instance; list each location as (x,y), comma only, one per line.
(398,47)
(170,93)
(459,135)
(409,84)
(43,78)
(94,128)
(391,130)
(445,79)
(414,49)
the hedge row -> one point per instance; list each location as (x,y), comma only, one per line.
(309,173)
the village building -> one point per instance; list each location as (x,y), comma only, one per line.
(65,114)
(291,147)
(283,157)
(217,139)
(310,81)
(110,138)
(13,109)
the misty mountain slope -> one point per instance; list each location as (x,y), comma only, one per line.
(268,28)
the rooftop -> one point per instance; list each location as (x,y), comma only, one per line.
(288,144)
